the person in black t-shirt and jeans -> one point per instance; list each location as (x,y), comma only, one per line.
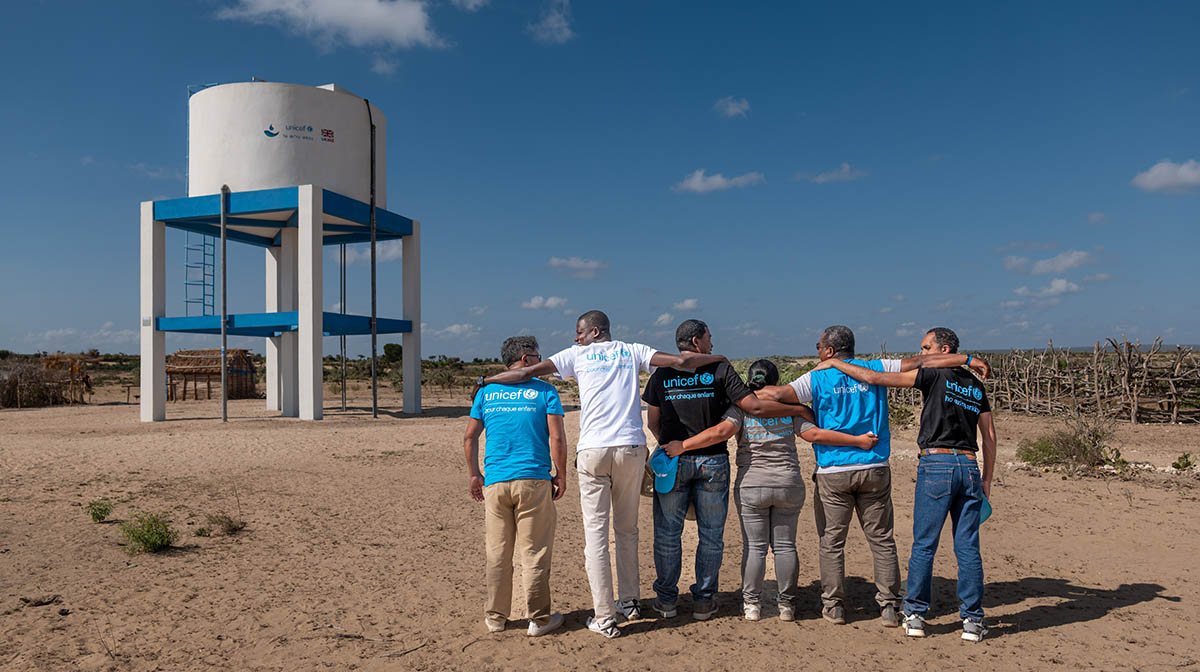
(681,405)
(949,481)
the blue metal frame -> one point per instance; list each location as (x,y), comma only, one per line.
(201,214)
(274,324)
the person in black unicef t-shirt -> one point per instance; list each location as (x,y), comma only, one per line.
(682,405)
(949,481)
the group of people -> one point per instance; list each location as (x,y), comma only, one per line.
(695,403)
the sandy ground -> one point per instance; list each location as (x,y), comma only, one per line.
(363,551)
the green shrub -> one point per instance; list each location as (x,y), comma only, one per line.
(900,414)
(99,509)
(148,533)
(1185,462)
(1081,442)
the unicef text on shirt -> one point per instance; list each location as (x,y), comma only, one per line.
(969,391)
(510,395)
(698,379)
(603,357)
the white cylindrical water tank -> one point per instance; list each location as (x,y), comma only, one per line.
(261,135)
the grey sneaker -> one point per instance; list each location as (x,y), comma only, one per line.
(495,625)
(664,610)
(607,627)
(835,615)
(628,610)
(973,631)
(888,615)
(787,612)
(535,630)
(914,625)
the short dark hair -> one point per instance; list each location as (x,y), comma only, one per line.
(595,319)
(840,338)
(516,347)
(686,331)
(946,337)
(762,373)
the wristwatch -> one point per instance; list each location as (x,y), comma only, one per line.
(479,381)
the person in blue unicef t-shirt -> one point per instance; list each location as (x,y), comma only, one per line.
(523,423)
(850,479)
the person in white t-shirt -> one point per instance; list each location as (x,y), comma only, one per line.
(611,453)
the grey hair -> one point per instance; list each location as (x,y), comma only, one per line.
(840,338)
(516,347)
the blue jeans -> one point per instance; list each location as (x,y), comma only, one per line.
(702,480)
(946,484)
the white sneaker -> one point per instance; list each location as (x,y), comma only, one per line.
(535,630)
(607,627)
(787,612)
(628,610)
(752,612)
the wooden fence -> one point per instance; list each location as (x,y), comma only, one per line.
(1122,379)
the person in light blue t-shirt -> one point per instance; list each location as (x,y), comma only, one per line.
(852,479)
(523,423)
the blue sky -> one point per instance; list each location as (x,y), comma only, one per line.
(1017,173)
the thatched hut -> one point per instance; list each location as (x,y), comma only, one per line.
(196,367)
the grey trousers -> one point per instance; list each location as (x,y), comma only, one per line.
(768,517)
(837,498)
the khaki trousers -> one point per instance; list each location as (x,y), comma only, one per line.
(519,515)
(611,477)
(838,496)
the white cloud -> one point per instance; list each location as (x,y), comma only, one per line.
(539,302)
(1013,263)
(1061,262)
(898,298)
(383,66)
(1011,304)
(664,319)
(730,107)
(699,183)
(1098,277)
(469,5)
(387,250)
(1169,176)
(86,160)
(885,310)
(555,25)
(1023,324)
(1097,217)
(843,173)
(908,324)
(905,332)
(1057,287)
(944,306)
(477,310)
(156,172)
(464,330)
(687,304)
(584,269)
(388,23)
(71,338)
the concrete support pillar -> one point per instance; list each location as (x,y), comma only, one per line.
(281,296)
(153,306)
(411,342)
(310,306)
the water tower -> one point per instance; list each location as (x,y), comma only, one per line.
(298,162)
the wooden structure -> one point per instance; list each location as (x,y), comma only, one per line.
(197,367)
(1117,378)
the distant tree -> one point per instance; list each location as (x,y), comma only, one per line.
(393,353)
(5,354)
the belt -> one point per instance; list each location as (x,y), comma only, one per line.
(946,451)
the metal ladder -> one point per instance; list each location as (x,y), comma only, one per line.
(200,278)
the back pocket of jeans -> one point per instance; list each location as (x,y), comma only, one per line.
(935,485)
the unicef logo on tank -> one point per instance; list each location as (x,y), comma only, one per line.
(531,394)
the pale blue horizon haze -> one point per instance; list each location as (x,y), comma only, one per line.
(1019,173)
